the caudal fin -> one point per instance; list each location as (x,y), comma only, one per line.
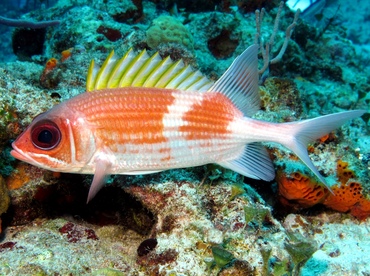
(307,131)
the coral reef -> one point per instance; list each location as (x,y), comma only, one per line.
(181,225)
(198,221)
(220,5)
(189,5)
(129,11)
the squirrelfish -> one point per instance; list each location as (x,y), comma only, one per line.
(145,114)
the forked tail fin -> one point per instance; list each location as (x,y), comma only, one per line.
(306,131)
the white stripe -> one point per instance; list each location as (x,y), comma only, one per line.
(71,142)
(184,102)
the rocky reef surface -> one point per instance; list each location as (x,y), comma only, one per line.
(194,221)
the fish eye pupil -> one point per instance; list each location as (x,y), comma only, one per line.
(45,135)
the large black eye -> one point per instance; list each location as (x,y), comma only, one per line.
(45,135)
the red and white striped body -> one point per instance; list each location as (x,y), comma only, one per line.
(157,129)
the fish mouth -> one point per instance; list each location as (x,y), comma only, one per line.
(17,153)
(20,155)
(28,158)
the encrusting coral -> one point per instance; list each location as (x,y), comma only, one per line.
(348,195)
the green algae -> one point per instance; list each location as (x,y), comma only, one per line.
(300,249)
(237,189)
(8,117)
(265,253)
(107,272)
(257,215)
(31,270)
(221,256)
(216,172)
(280,267)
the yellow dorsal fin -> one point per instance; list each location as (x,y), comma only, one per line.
(103,74)
(90,79)
(119,69)
(142,70)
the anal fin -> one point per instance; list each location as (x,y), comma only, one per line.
(254,163)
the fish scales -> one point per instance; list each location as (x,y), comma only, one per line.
(159,128)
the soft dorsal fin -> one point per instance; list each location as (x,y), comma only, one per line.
(142,70)
(240,82)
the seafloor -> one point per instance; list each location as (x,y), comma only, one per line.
(195,221)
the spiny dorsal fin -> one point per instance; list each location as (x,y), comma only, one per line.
(142,70)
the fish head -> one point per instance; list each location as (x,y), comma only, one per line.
(50,141)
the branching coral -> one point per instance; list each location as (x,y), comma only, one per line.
(266,47)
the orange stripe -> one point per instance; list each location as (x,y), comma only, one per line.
(210,118)
(167,154)
(127,115)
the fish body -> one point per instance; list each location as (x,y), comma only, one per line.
(142,129)
(163,121)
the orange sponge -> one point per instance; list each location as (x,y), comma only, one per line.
(18,177)
(344,197)
(361,210)
(348,195)
(50,65)
(300,189)
(343,172)
(66,54)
